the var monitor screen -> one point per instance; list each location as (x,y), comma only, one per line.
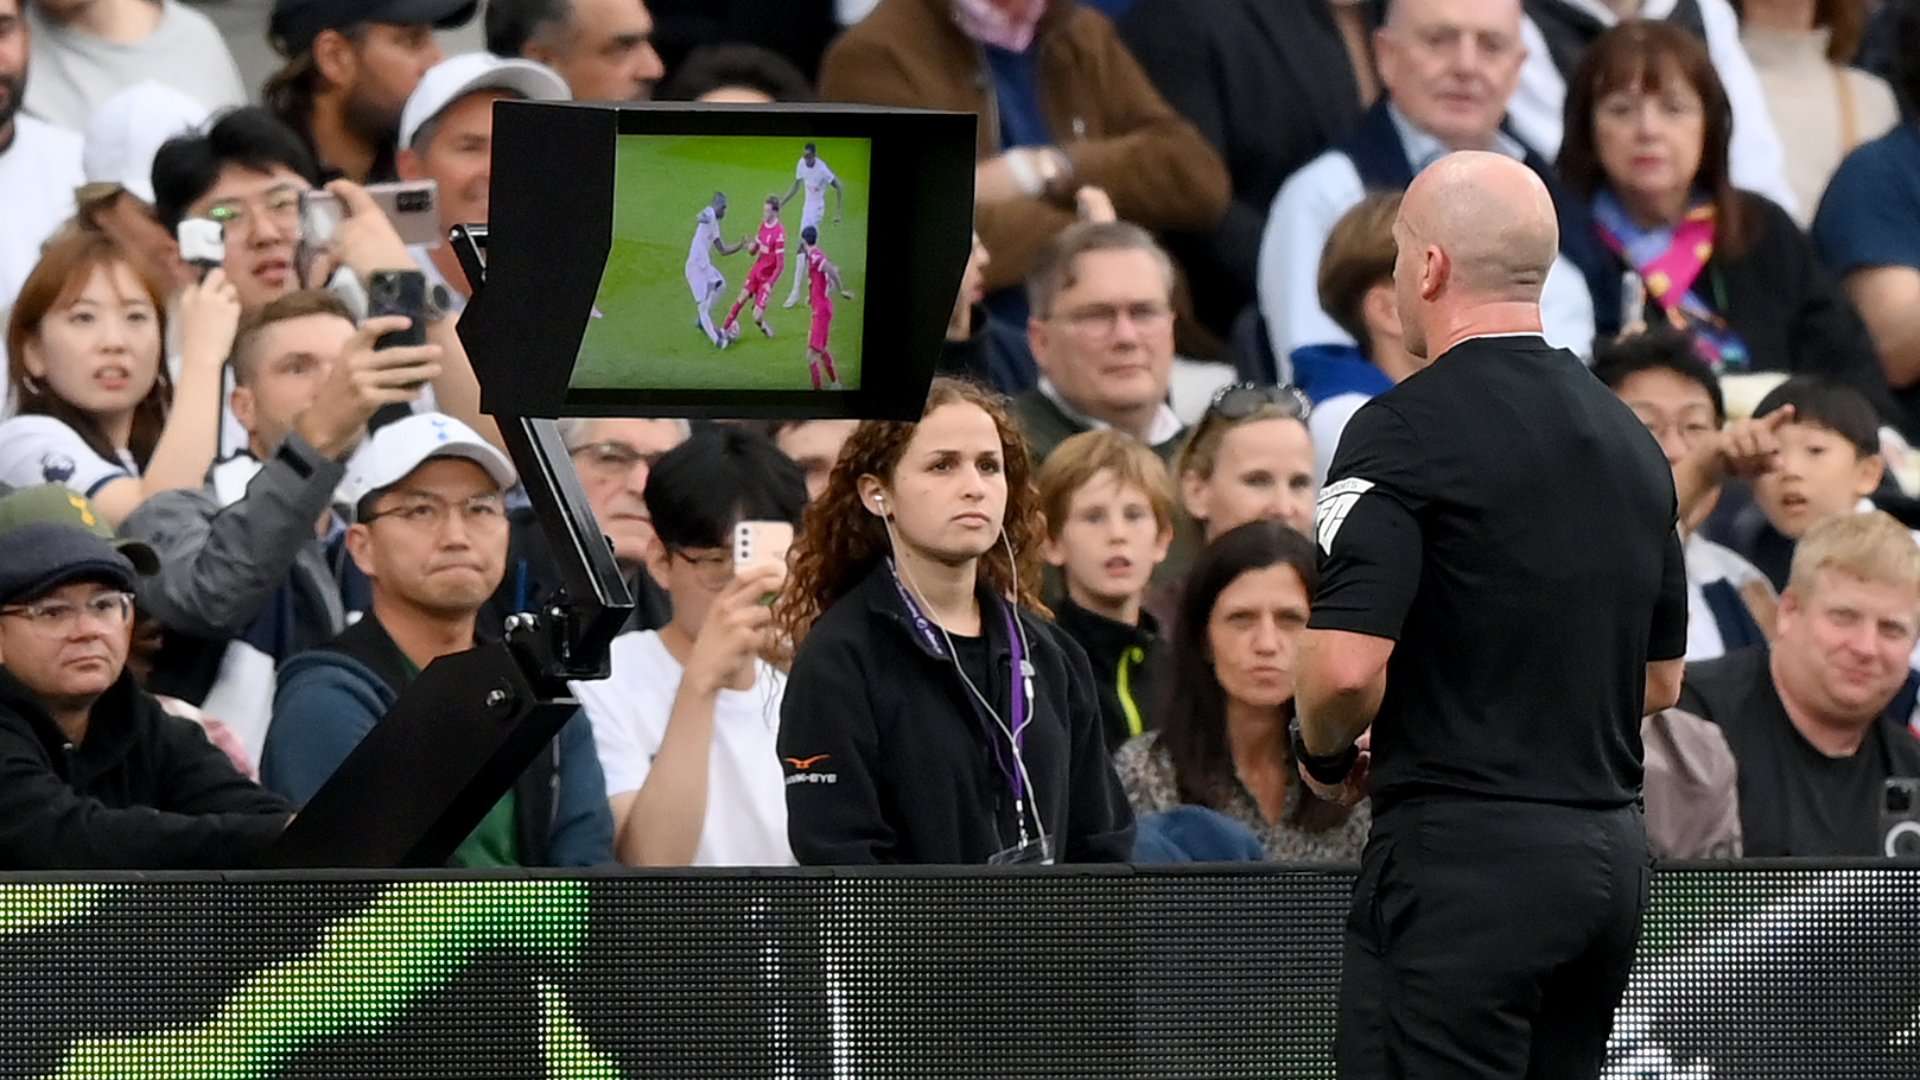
(748,271)
(690,260)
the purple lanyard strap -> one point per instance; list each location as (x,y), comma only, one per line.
(1016,682)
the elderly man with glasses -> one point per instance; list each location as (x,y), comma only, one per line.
(94,774)
(1101,330)
(614,458)
(430,534)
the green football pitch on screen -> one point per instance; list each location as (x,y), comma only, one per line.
(662,272)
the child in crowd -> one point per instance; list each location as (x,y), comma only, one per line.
(1827,463)
(1108,502)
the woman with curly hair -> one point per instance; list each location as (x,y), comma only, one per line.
(933,714)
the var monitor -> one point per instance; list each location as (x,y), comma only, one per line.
(663,260)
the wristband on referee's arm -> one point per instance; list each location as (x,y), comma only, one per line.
(1329,769)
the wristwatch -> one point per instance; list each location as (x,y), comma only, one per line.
(1329,769)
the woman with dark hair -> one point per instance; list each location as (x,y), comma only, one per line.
(1647,125)
(94,407)
(933,714)
(1646,148)
(1222,739)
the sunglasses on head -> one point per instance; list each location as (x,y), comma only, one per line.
(1241,400)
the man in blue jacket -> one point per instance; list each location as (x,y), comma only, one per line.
(430,534)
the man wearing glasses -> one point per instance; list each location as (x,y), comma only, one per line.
(1102,334)
(430,534)
(253,567)
(93,773)
(614,458)
(687,725)
(247,172)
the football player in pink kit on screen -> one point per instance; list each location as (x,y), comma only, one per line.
(771,246)
(820,274)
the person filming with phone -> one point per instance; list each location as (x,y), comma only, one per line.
(686,726)
(281,232)
(933,714)
(252,561)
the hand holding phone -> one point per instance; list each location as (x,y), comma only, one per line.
(362,379)
(402,293)
(412,207)
(360,235)
(738,629)
(203,244)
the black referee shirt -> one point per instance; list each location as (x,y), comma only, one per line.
(1510,523)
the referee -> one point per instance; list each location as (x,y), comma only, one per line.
(1502,598)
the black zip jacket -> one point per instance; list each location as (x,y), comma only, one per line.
(144,791)
(890,760)
(1125,660)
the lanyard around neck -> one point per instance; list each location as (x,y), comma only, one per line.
(1016,729)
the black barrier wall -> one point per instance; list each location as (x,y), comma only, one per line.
(1755,971)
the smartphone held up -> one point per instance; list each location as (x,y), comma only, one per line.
(413,206)
(758,544)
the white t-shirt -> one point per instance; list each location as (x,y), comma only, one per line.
(42,450)
(74,72)
(746,822)
(814,180)
(38,173)
(706,231)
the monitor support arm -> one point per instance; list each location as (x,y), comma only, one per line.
(460,735)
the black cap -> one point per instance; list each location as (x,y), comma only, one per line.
(295,23)
(37,559)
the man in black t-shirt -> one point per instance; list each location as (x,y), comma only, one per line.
(1807,719)
(1502,598)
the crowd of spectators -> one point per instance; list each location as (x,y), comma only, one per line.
(1056,617)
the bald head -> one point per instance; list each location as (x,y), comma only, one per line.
(1474,240)
(1492,217)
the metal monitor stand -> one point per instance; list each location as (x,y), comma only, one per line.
(462,733)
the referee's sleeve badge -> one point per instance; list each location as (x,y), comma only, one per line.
(1331,509)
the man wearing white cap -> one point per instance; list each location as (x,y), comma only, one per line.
(446,135)
(430,533)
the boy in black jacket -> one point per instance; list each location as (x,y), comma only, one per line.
(1108,502)
(93,774)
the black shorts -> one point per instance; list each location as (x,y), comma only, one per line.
(1489,940)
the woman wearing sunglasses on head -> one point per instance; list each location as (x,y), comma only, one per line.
(1249,458)
(933,715)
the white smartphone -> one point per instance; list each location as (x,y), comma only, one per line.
(761,543)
